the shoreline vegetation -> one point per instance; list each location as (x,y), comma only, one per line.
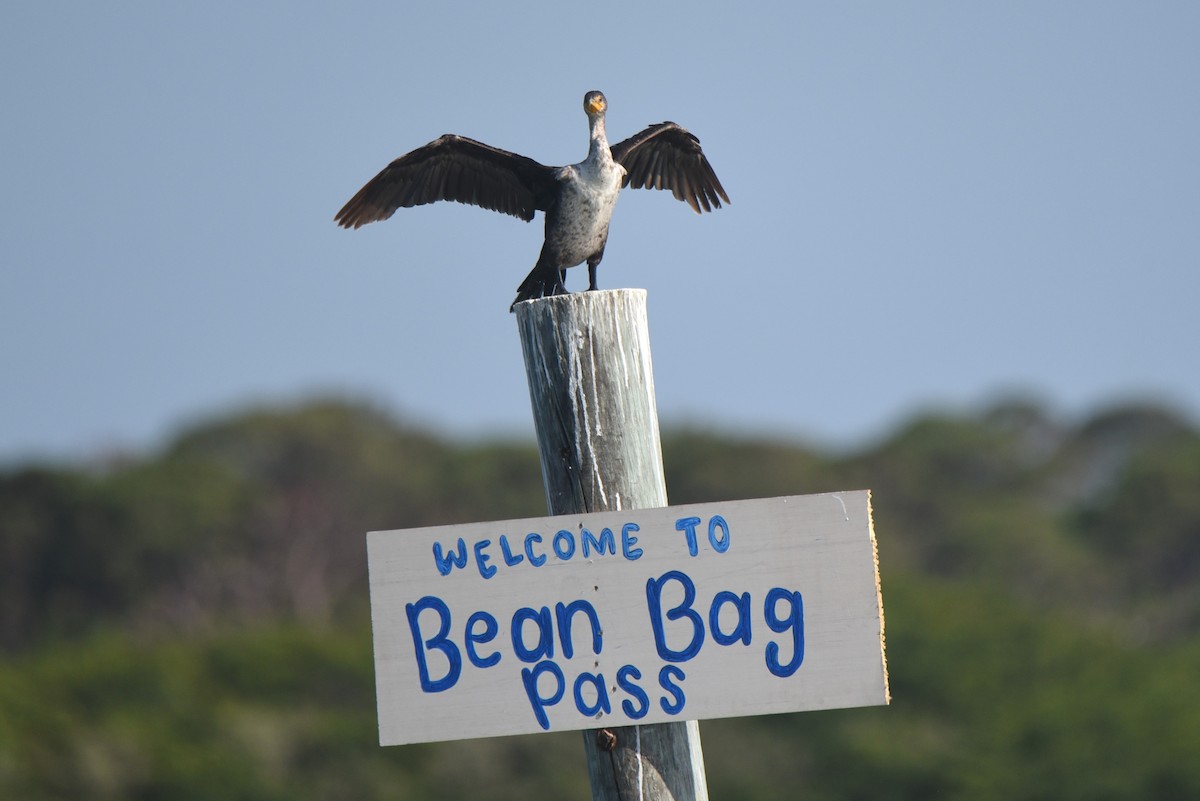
(194,623)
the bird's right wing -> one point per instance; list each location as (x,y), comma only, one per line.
(453,168)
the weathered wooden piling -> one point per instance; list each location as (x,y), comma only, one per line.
(587,358)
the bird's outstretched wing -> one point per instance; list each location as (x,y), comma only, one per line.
(666,156)
(453,168)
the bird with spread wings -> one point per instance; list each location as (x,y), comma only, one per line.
(577,199)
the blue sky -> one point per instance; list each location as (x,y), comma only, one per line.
(933,204)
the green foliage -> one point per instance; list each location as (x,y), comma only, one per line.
(1152,516)
(257,517)
(194,624)
(265,713)
(991,700)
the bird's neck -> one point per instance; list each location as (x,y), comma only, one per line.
(598,149)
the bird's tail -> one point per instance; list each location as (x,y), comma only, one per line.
(543,280)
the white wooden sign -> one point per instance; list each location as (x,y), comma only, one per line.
(619,618)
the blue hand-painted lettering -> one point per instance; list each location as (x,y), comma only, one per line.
(792,621)
(456,558)
(688,526)
(564,613)
(510,559)
(625,680)
(471,638)
(741,603)
(719,544)
(628,542)
(543,626)
(605,543)
(601,705)
(654,590)
(535,560)
(668,679)
(438,642)
(482,559)
(539,702)
(564,544)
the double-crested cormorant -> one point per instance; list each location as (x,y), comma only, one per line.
(578,199)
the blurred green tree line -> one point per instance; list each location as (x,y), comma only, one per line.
(194,623)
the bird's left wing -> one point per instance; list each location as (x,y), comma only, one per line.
(666,156)
(456,168)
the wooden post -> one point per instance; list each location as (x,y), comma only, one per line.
(587,358)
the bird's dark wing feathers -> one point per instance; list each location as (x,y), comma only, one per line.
(666,156)
(453,168)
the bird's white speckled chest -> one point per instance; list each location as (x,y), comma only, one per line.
(586,205)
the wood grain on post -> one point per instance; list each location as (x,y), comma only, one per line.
(587,358)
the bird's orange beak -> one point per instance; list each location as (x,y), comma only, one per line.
(595,105)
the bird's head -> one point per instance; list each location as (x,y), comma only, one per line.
(594,103)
